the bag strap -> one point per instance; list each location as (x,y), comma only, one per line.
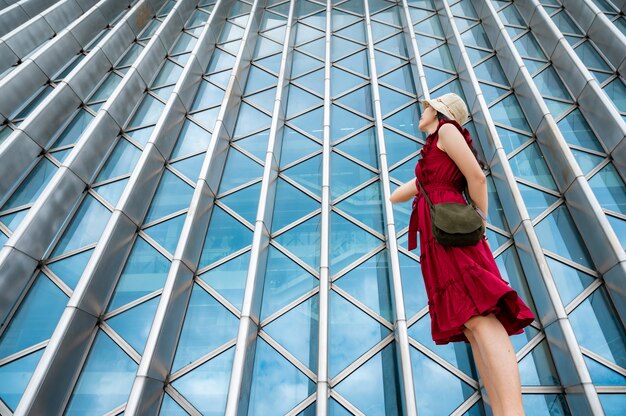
(424,193)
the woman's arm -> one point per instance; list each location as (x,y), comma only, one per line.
(404,192)
(455,146)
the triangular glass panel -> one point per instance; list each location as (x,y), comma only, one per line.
(313,81)
(225,236)
(536,368)
(259,79)
(398,147)
(491,70)
(265,47)
(370,284)
(535,200)
(271,63)
(207,118)
(306,33)
(509,113)
(245,202)
(346,175)
(533,65)
(570,282)
(291,204)
(300,100)
(229,279)
(348,242)
(310,122)
(342,81)
(238,170)
(381,30)
(405,120)
(308,174)
(277,34)
(302,63)
(317,20)
(366,206)
(273,376)
(351,333)
(167,233)
(363,147)
(342,47)
(604,376)
(214,373)
(492,93)
(395,45)
(529,164)
(435,77)
(316,48)
(191,140)
(406,171)
(265,99)
(360,100)
(295,146)
(145,271)
(14,219)
(256,144)
(476,36)
(342,19)
(476,55)
(609,188)
(357,62)
(557,108)
(385,62)
(303,320)
(355,32)
(367,388)
(134,324)
(121,162)
(249,120)
(190,167)
(70,269)
(14,378)
(304,241)
(172,195)
(170,408)
(401,78)
(208,324)
(428,26)
(344,122)
(391,100)
(577,131)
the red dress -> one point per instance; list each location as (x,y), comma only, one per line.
(460,281)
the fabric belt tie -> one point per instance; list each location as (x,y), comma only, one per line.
(414,221)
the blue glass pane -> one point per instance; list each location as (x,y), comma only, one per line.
(406,171)
(366,206)
(406,120)
(171,196)
(430,379)
(369,283)
(147,113)
(346,175)
(509,113)
(169,74)
(558,233)
(374,387)
(264,100)
(528,46)
(297,331)
(70,269)
(295,146)
(304,241)
(291,204)
(545,404)
(356,31)
(73,131)
(112,192)
(335,409)
(299,100)
(360,100)
(529,164)
(134,324)
(141,136)
(363,147)
(394,44)
(609,189)
(604,376)
(206,387)
(400,78)
(250,120)
(167,233)
(224,236)
(398,147)
(308,174)
(208,324)
(576,131)
(597,327)
(208,95)
(259,79)
(86,226)
(313,81)
(106,88)
(14,378)
(61,154)
(245,202)
(536,201)
(185,43)
(351,333)
(613,403)
(13,220)
(537,368)
(192,139)
(310,122)
(285,281)
(33,185)
(229,278)
(357,62)
(36,317)
(510,139)
(586,161)
(619,226)
(616,90)
(105,381)
(273,376)
(256,144)
(492,93)
(391,100)
(342,81)
(301,63)
(191,166)
(239,169)
(145,272)
(549,83)
(121,162)
(343,123)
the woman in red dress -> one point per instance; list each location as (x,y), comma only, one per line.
(467,297)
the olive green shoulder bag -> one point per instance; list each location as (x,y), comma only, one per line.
(455,224)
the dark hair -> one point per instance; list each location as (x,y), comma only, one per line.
(483,165)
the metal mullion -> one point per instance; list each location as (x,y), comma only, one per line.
(238,398)
(553,317)
(223,260)
(370,119)
(571,263)
(405,372)
(120,342)
(346,404)
(181,400)
(286,354)
(234,214)
(221,299)
(132,304)
(302,406)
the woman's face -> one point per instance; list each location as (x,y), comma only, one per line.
(427,119)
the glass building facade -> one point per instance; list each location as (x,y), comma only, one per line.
(195,215)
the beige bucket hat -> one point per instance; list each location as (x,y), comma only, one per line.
(449,104)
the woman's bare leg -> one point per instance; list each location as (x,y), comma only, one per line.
(499,357)
(483,372)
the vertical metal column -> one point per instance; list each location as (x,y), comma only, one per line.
(238,398)
(409,406)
